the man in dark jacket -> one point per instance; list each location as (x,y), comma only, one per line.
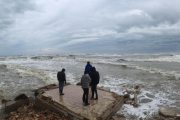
(61,76)
(88,68)
(94,81)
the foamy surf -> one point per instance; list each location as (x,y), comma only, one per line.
(117,72)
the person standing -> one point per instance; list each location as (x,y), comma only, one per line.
(94,81)
(61,76)
(85,81)
(88,67)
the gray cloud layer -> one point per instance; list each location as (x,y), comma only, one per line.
(103,26)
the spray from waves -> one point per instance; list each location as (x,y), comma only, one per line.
(170,58)
(49,77)
(171,74)
(44,75)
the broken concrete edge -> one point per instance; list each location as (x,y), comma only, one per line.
(14,106)
(60,109)
(20,97)
(109,113)
(50,87)
(47,87)
(48,103)
(57,108)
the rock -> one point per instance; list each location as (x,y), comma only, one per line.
(127,96)
(104,89)
(27,118)
(31,100)
(177,117)
(20,97)
(150,95)
(78,84)
(129,102)
(130,91)
(4,101)
(125,88)
(120,115)
(14,112)
(167,113)
(38,92)
(135,105)
(145,100)
(68,83)
(139,86)
(14,105)
(22,109)
(125,99)
(161,118)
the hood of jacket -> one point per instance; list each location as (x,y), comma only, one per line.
(93,69)
(85,75)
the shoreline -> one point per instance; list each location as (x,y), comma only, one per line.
(127,100)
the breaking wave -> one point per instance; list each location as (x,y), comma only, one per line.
(23,71)
(42,57)
(171,74)
(170,58)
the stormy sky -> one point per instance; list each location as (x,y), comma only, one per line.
(89,26)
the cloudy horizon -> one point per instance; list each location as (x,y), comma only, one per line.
(65,26)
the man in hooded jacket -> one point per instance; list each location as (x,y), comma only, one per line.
(85,81)
(94,81)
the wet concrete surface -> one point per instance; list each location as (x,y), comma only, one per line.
(73,101)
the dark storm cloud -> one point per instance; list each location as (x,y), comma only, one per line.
(10,8)
(119,26)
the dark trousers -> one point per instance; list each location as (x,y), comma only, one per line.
(61,85)
(94,89)
(85,95)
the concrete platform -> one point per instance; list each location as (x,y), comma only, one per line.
(72,106)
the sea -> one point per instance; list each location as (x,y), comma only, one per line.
(158,73)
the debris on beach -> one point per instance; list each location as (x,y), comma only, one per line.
(32,113)
(48,99)
(128,99)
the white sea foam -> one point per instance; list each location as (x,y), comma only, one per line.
(144,110)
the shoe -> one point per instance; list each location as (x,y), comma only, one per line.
(62,94)
(95,98)
(87,104)
(92,99)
